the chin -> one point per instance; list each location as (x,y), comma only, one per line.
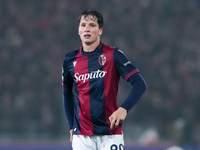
(88,42)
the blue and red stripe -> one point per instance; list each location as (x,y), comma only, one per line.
(83,97)
(131,73)
(111,82)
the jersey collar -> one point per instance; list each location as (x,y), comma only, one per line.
(99,47)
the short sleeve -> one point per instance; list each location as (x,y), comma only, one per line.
(124,66)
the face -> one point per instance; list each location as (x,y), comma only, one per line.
(88,30)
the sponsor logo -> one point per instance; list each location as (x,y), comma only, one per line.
(91,75)
(102,59)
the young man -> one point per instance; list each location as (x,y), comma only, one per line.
(90,81)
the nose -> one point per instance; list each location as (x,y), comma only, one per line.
(87,28)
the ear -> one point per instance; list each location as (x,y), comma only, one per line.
(100,31)
(78,31)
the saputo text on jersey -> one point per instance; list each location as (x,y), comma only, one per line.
(91,75)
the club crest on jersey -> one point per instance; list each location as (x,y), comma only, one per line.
(102,59)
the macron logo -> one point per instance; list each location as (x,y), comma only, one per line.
(74,63)
(91,75)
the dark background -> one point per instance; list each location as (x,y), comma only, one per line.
(160,37)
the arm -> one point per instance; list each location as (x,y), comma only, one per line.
(138,88)
(67,93)
(68,108)
(68,104)
(131,74)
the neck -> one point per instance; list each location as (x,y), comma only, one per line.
(91,46)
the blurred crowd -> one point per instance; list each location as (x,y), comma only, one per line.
(160,37)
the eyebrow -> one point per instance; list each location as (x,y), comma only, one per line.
(91,23)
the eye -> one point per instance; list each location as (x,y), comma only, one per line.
(82,25)
(93,25)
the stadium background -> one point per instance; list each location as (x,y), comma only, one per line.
(161,37)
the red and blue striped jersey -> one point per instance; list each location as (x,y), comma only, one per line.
(93,79)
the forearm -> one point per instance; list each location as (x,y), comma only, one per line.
(138,88)
(68,104)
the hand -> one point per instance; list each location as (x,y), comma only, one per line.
(71,135)
(117,117)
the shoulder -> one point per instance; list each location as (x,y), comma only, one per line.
(71,55)
(119,56)
(114,49)
(107,47)
(116,52)
(119,52)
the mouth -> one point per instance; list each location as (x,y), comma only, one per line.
(87,36)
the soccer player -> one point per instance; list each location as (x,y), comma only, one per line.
(90,79)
